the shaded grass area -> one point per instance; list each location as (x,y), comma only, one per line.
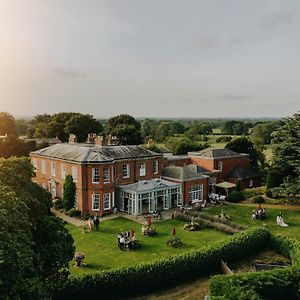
(241,214)
(102,252)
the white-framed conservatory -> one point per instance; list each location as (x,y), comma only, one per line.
(149,195)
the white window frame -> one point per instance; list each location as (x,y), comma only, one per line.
(126,171)
(43,166)
(76,200)
(95,200)
(219,165)
(53,169)
(106,200)
(63,171)
(142,169)
(155,167)
(196,192)
(74,173)
(106,175)
(95,175)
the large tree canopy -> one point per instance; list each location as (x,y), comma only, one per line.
(81,125)
(243,145)
(7,124)
(35,247)
(286,149)
(126,128)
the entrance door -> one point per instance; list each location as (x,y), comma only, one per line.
(125,204)
(160,202)
(174,201)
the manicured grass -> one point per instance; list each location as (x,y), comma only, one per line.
(241,214)
(102,252)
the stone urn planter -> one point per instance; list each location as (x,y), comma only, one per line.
(79,257)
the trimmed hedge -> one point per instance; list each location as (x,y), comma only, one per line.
(164,273)
(275,284)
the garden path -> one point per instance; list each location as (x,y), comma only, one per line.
(139,219)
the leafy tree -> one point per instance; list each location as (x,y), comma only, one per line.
(125,128)
(286,149)
(69,192)
(163,131)
(81,125)
(180,146)
(7,124)
(289,188)
(243,145)
(13,146)
(148,128)
(262,132)
(35,247)
(236,127)
(22,126)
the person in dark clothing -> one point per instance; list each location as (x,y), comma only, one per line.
(97,223)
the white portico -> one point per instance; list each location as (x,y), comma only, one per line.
(149,195)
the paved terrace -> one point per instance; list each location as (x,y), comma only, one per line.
(167,214)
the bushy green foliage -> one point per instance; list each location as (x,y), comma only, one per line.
(35,246)
(74,213)
(275,284)
(235,196)
(139,279)
(126,128)
(258,199)
(69,192)
(7,124)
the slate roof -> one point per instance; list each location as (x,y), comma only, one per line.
(84,153)
(242,173)
(149,185)
(185,172)
(216,153)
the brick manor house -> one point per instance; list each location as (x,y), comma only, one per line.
(135,179)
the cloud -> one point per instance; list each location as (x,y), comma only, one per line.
(206,41)
(234,41)
(274,19)
(67,73)
(234,98)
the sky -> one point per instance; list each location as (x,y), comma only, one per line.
(150,58)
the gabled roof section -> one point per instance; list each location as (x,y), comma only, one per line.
(242,173)
(84,153)
(185,173)
(149,185)
(216,153)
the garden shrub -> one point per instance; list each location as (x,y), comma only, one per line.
(74,213)
(164,273)
(235,196)
(258,199)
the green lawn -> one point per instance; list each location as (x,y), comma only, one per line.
(102,252)
(241,214)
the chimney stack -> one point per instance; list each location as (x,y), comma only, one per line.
(72,138)
(99,141)
(91,138)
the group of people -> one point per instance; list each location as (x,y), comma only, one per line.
(259,213)
(280,221)
(127,240)
(157,215)
(93,223)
